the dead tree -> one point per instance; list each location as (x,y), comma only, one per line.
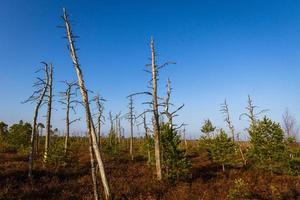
(147,137)
(85,102)
(184,136)
(170,115)
(38,97)
(112,128)
(118,126)
(225,111)
(68,101)
(154,104)
(251,114)
(131,118)
(100,117)
(49,111)
(289,124)
(119,129)
(40,127)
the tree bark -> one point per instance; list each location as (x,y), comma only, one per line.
(131,125)
(49,109)
(68,96)
(85,101)
(156,127)
(36,112)
(93,169)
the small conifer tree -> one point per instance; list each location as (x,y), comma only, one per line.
(208,127)
(223,149)
(268,148)
(175,163)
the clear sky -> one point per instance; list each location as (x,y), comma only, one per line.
(223,49)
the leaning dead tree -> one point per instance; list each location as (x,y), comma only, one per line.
(131,118)
(251,114)
(170,114)
(38,95)
(85,101)
(68,101)
(49,111)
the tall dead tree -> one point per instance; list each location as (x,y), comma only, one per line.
(131,118)
(85,102)
(38,95)
(49,111)
(156,126)
(154,104)
(69,102)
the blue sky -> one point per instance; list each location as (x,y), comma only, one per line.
(223,49)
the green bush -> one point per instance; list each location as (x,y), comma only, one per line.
(147,143)
(57,156)
(205,144)
(18,137)
(175,163)
(268,149)
(223,150)
(239,191)
(294,165)
(207,127)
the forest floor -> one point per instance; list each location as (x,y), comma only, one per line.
(135,180)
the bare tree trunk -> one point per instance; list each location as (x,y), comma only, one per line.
(68,96)
(119,130)
(85,101)
(31,149)
(156,127)
(37,141)
(100,117)
(131,125)
(147,138)
(36,112)
(184,137)
(93,169)
(48,120)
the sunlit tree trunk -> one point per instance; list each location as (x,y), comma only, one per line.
(156,127)
(36,112)
(85,101)
(49,109)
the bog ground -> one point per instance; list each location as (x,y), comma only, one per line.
(135,180)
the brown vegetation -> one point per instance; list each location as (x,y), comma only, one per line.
(135,180)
